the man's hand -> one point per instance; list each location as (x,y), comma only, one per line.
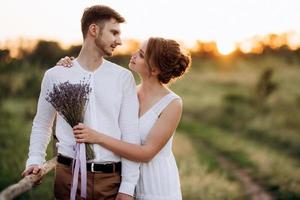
(33,169)
(122,196)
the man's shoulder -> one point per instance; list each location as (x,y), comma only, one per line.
(55,71)
(117,68)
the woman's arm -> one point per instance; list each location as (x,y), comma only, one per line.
(156,140)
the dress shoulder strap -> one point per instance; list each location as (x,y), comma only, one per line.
(164,102)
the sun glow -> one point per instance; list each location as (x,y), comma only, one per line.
(220,26)
(225,48)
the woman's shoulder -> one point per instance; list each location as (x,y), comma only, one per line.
(173,95)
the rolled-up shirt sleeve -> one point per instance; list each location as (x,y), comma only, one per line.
(42,126)
(128,121)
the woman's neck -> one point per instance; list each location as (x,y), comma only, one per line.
(151,88)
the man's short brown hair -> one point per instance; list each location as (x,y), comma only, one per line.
(98,14)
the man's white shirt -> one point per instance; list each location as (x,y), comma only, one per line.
(112,109)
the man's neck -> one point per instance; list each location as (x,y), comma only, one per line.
(89,58)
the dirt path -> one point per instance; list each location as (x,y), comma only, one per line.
(253,190)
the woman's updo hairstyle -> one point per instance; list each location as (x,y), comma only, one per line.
(166,55)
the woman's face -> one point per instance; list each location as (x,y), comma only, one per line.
(137,62)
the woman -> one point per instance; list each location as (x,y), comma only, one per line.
(157,62)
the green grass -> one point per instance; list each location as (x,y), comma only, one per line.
(221,110)
(279,173)
(199,171)
(14,148)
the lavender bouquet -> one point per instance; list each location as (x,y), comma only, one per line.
(70,100)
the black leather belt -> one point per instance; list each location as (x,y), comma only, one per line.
(92,167)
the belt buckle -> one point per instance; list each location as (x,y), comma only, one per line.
(92,167)
(114,167)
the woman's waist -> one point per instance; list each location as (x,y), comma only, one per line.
(161,158)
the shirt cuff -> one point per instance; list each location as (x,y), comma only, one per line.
(34,160)
(127,188)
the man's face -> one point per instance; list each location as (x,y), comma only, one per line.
(109,38)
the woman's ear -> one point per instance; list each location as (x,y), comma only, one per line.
(155,71)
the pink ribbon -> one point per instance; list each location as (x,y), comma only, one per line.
(80,167)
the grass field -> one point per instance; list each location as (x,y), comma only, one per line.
(224,118)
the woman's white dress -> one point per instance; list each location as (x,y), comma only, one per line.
(159,179)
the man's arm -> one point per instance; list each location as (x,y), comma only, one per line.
(128,121)
(41,127)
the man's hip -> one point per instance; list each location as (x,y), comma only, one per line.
(103,180)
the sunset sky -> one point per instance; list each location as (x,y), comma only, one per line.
(225,21)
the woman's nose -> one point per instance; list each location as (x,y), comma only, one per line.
(133,56)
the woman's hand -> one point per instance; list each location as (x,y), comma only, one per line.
(65,62)
(84,134)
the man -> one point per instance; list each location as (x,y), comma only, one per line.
(112,109)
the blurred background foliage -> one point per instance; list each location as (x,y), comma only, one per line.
(241,119)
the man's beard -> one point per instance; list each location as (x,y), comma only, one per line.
(101,46)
